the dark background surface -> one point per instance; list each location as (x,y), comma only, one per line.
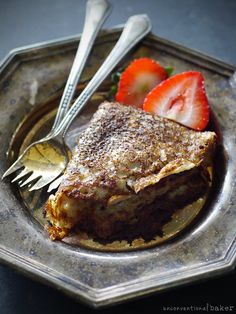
(208,26)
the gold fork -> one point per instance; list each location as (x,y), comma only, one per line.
(47,158)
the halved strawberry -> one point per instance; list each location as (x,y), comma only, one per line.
(138,79)
(182,98)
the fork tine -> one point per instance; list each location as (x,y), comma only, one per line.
(15,166)
(40,184)
(23,173)
(55,184)
(31,178)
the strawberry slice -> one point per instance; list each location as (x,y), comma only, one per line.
(141,76)
(182,98)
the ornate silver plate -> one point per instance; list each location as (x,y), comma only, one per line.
(29,77)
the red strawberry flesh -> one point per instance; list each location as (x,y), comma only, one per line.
(182,98)
(141,76)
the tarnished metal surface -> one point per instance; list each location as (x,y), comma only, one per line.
(28,78)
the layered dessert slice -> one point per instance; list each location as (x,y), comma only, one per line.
(130,171)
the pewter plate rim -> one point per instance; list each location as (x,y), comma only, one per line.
(102,297)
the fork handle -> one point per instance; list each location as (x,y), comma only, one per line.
(135,29)
(96,13)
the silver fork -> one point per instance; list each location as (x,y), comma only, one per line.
(49,156)
(96,13)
